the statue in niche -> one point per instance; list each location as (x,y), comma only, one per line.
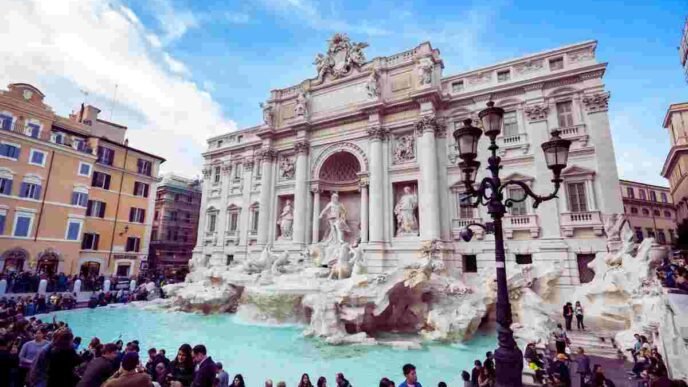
(372,87)
(286,220)
(301,108)
(268,113)
(407,224)
(424,71)
(287,168)
(403,151)
(336,217)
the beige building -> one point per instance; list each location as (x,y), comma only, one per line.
(74,197)
(650,211)
(676,164)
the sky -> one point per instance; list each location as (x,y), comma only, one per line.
(179,71)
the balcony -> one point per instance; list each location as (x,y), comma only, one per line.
(460,224)
(590,220)
(528,223)
(578,134)
(513,145)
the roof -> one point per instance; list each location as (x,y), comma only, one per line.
(162,160)
(674,107)
(622,181)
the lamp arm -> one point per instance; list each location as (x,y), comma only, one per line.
(479,194)
(537,199)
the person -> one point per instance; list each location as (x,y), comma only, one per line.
(636,348)
(441,384)
(475,373)
(100,368)
(411,378)
(568,315)
(268,382)
(130,374)
(322,382)
(341,380)
(488,364)
(281,383)
(598,378)
(466,377)
(205,368)
(160,373)
(29,352)
(8,362)
(150,364)
(385,382)
(484,379)
(182,368)
(579,316)
(659,379)
(61,360)
(560,339)
(223,377)
(305,381)
(239,381)
(561,370)
(583,366)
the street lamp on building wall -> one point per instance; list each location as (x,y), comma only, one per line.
(490,193)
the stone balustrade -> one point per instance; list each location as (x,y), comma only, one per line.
(528,223)
(591,220)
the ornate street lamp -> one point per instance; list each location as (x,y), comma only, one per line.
(490,193)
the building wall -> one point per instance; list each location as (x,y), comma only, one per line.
(649,216)
(343,119)
(59,177)
(676,164)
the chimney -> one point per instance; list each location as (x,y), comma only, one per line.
(90,114)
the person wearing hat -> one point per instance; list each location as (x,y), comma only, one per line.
(130,375)
(561,370)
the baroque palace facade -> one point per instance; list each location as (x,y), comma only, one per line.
(74,196)
(378,133)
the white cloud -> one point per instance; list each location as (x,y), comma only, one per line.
(175,66)
(93,45)
(174,21)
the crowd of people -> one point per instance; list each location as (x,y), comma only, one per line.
(39,303)
(28,281)
(674,274)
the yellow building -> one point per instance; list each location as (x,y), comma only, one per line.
(74,197)
(650,211)
(676,164)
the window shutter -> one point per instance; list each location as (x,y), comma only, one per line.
(89,208)
(84,242)
(6,123)
(23,190)
(139,166)
(75,198)
(131,214)
(37,192)
(101,213)
(96,239)
(145,190)
(7,188)
(143,216)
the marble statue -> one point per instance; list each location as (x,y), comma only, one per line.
(335,213)
(280,262)
(268,114)
(286,220)
(403,149)
(372,86)
(357,260)
(262,263)
(407,224)
(342,56)
(612,228)
(287,168)
(341,269)
(425,71)
(321,63)
(302,102)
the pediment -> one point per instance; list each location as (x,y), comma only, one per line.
(519,177)
(576,170)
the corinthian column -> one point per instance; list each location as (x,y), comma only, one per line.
(316,215)
(364,211)
(428,186)
(267,156)
(376,215)
(301,192)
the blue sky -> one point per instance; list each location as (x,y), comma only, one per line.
(186,70)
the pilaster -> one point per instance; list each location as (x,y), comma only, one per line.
(428,185)
(301,192)
(267,155)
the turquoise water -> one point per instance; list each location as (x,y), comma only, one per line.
(279,353)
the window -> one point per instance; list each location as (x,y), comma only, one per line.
(233,221)
(216,175)
(137,215)
(79,144)
(95,208)
(90,241)
(140,189)
(133,244)
(465,209)
(144,167)
(639,234)
(100,180)
(3,220)
(254,221)
(123,270)
(5,186)
(656,213)
(30,190)
(33,130)
(671,236)
(79,199)
(10,151)
(84,169)
(653,196)
(470,263)
(524,259)
(176,197)
(188,218)
(57,138)
(517,208)
(630,193)
(664,197)
(646,212)
(556,64)
(237,172)
(22,224)
(73,230)
(564,114)
(585,273)
(667,214)
(577,198)
(457,86)
(634,210)
(105,155)
(212,219)
(37,157)
(503,76)
(173,215)
(650,232)
(641,194)
(510,124)
(5,122)
(661,238)
(219,143)
(230,258)
(239,138)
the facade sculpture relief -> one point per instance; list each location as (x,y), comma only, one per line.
(335,213)
(536,112)
(597,102)
(425,67)
(342,56)
(301,109)
(581,55)
(372,86)
(405,212)
(268,114)
(287,168)
(529,66)
(286,220)
(404,149)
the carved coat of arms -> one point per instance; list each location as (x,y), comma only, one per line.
(342,56)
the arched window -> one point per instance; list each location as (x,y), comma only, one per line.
(646,212)
(6,120)
(634,210)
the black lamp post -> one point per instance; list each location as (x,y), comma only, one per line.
(490,192)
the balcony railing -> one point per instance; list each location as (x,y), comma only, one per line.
(570,221)
(575,133)
(528,223)
(513,140)
(461,223)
